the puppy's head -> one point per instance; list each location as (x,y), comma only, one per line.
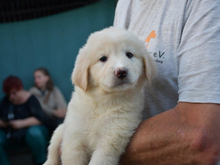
(112,59)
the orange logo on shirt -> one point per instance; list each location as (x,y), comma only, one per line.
(151,35)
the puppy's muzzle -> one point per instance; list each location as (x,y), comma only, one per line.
(121,73)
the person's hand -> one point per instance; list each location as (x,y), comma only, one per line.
(17,124)
(60,113)
(3,124)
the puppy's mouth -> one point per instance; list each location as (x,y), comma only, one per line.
(119,82)
(118,85)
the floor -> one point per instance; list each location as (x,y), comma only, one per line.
(22,159)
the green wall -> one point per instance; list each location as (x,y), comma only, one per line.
(52,42)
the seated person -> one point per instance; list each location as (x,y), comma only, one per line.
(50,98)
(21,117)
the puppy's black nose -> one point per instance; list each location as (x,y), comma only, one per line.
(121,73)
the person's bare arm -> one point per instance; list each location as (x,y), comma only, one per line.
(60,113)
(22,123)
(188,134)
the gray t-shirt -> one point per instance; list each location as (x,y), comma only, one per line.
(183,36)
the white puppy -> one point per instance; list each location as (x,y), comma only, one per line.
(105,109)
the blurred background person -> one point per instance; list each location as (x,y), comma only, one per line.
(50,97)
(20,122)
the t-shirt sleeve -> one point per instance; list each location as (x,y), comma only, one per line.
(35,109)
(199,53)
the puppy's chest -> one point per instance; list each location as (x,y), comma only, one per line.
(98,126)
(103,125)
(102,118)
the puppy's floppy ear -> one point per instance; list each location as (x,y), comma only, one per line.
(149,66)
(81,70)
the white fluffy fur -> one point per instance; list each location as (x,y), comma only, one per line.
(104,110)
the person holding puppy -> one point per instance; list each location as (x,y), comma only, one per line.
(20,121)
(182,111)
(50,98)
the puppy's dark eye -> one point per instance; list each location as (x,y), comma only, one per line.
(129,54)
(103,58)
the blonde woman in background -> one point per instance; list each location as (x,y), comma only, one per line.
(50,98)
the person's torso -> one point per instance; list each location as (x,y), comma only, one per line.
(15,112)
(159,23)
(47,98)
